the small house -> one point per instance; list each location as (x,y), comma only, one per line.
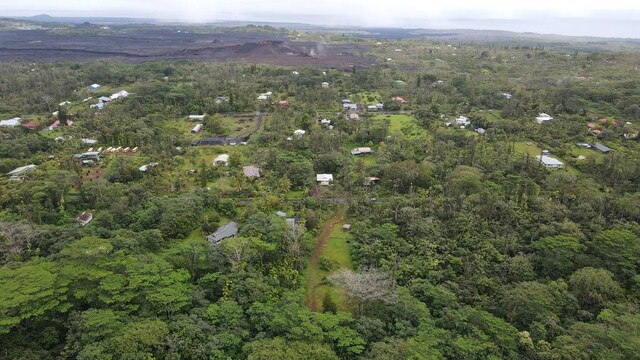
(361,151)
(10,123)
(196,129)
(372,108)
(324,179)
(251,171)
(481,131)
(104,99)
(84,218)
(584,145)
(603,149)
(507,96)
(549,162)
(354,116)
(262,97)
(98,106)
(88,141)
(223,232)
(146,167)
(19,173)
(379,106)
(542,117)
(399,99)
(283,102)
(299,132)
(325,85)
(119,94)
(94,87)
(462,120)
(222,159)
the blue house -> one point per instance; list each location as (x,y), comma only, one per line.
(93,87)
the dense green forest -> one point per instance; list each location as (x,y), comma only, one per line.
(445,242)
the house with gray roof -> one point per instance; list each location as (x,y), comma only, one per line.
(223,232)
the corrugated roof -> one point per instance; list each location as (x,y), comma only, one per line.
(223,232)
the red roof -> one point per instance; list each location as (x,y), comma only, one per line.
(284,102)
(591,125)
(30,125)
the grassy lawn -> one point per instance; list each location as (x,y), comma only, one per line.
(370,98)
(529,147)
(398,122)
(336,250)
(295,195)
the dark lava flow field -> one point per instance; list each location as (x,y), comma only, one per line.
(138,45)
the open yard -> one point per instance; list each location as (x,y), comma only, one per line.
(400,123)
(330,254)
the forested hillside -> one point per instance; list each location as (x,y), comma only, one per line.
(444,230)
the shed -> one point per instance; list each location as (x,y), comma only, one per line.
(603,149)
(196,117)
(223,232)
(542,117)
(196,129)
(84,218)
(94,87)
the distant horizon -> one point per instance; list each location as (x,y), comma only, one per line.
(579,27)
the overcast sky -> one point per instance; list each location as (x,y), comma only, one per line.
(399,13)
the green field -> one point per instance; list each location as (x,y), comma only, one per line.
(398,122)
(336,250)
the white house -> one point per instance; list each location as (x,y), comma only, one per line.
(354,116)
(222,159)
(372,108)
(299,132)
(361,151)
(10,123)
(481,131)
(88,141)
(324,179)
(196,117)
(262,97)
(94,87)
(507,96)
(19,173)
(325,122)
(549,162)
(119,94)
(542,117)
(196,129)
(462,120)
(325,84)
